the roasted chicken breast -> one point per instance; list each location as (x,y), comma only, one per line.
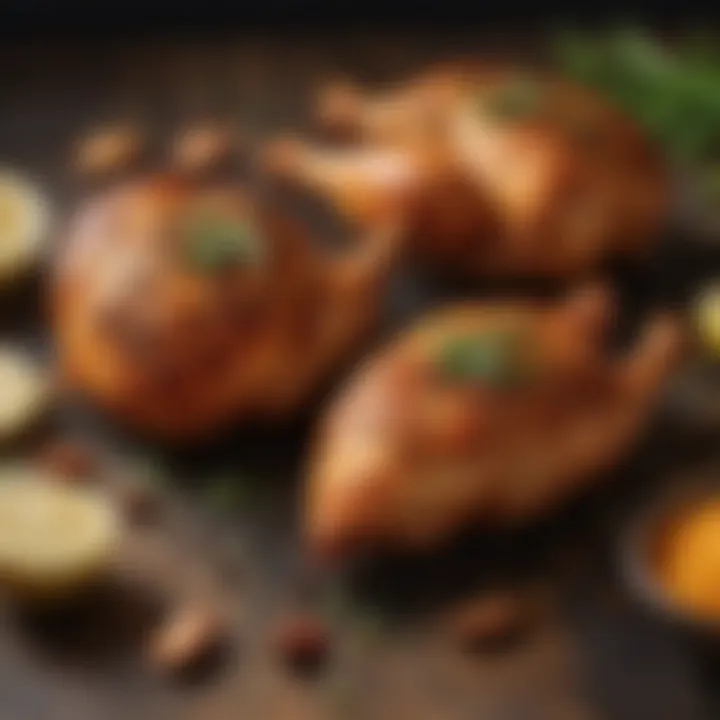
(499,171)
(488,412)
(182,307)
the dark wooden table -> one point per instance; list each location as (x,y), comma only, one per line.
(591,654)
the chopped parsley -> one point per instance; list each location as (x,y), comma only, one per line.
(494,358)
(671,89)
(213,241)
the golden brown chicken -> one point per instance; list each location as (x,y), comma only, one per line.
(488,412)
(181,307)
(500,172)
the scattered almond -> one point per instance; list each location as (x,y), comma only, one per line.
(187,637)
(108,150)
(302,640)
(489,619)
(69,459)
(338,107)
(202,146)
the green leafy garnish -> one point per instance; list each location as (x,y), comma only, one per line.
(674,92)
(711,182)
(519,98)
(213,241)
(496,358)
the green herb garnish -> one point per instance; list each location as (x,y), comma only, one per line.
(518,99)
(496,358)
(711,182)
(674,92)
(213,241)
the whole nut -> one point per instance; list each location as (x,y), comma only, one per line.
(108,150)
(69,459)
(302,640)
(188,636)
(339,105)
(202,146)
(489,619)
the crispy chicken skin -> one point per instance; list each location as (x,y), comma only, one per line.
(500,172)
(486,412)
(181,307)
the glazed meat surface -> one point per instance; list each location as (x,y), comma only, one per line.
(180,307)
(499,172)
(486,412)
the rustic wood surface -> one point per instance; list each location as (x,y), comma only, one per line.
(590,654)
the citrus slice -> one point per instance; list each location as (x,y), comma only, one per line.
(707,319)
(24,219)
(24,392)
(55,538)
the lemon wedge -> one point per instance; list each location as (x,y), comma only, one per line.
(707,319)
(24,220)
(55,538)
(24,392)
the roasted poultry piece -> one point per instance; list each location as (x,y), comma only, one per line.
(182,306)
(500,172)
(486,412)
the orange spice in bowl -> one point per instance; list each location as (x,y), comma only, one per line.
(686,557)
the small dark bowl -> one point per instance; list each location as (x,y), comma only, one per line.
(636,561)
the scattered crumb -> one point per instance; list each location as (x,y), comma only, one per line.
(189,636)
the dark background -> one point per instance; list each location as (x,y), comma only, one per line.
(302,15)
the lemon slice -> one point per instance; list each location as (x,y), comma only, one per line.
(707,319)
(55,538)
(24,219)
(24,392)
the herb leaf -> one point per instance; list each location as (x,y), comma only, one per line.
(494,358)
(673,92)
(213,241)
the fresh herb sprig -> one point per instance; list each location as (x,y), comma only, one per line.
(213,241)
(672,90)
(496,358)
